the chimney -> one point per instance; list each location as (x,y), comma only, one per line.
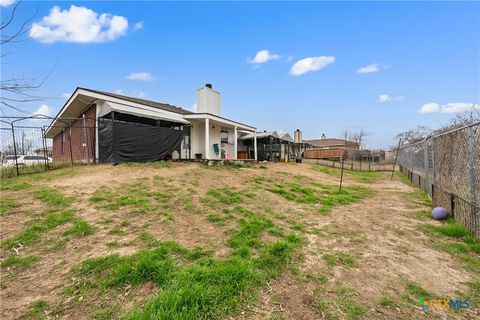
(323,136)
(208,100)
(297,136)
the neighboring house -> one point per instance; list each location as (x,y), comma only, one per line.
(328,148)
(271,145)
(97,126)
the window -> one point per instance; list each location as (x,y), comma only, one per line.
(224,136)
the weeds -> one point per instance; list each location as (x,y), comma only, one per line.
(7,204)
(21,262)
(340,305)
(32,234)
(340,258)
(359,176)
(327,196)
(52,197)
(80,228)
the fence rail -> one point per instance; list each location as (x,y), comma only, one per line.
(447,167)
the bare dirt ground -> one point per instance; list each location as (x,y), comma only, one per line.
(379,236)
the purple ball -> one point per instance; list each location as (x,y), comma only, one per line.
(439,213)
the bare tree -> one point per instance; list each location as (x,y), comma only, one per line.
(354,136)
(414,135)
(16,91)
(462,119)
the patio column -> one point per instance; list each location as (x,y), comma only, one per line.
(235,143)
(207,138)
(255,144)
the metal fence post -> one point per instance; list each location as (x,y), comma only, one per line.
(15,149)
(425,166)
(411,165)
(471,171)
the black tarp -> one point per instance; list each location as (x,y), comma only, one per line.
(120,142)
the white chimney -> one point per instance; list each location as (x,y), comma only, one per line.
(208,100)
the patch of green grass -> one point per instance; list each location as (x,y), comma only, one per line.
(208,290)
(403,178)
(52,197)
(14,185)
(31,234)
(148,239)
(327,196)
(418,197)
(414,291)
(112,244)
(7,204)
(80,228)
(455,239)
(225,196)
(248,236)
(21,262)
(340,306)
(340,258)
(451,228)
(386,301)
(276,231)
(216,218)
(474,293)
(153,164)
(118,232)
(359,176)
(262,167)
(37,310)
(107,313)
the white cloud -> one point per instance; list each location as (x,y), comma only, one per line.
(311,64)
(263,56)
(138,26)
(42,112)
(429,108)
(371,68)
(140,76)
(6,3)
(78,24)
(385,98)
(454,107)
(119,91)
(66,95)
(140,94)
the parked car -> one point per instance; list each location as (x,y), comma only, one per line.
(9,161)
(25,160)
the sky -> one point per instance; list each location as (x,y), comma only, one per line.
(321,67)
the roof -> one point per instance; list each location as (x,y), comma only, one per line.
(275,134)
(150,103)
(330,142)
(214,117)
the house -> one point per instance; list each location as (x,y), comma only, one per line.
(97,126)
(328,148)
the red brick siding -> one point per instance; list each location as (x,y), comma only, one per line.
(77,139)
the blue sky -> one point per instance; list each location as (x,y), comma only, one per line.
(423,54)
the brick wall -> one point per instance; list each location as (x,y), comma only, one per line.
(75,136)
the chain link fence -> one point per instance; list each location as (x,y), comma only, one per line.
(25,147)
(447,167)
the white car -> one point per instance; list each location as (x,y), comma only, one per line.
(9,161)
(25,160)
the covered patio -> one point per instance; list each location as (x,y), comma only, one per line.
(216,138)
